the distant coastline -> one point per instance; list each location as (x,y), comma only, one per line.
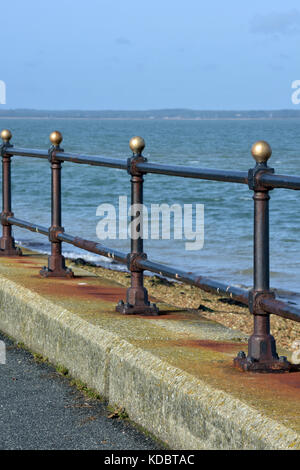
(149,115)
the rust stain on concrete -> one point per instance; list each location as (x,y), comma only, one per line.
(70,288)
(219,346)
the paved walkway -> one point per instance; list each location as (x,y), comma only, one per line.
(40,410)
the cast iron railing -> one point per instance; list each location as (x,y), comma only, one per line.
(262,355)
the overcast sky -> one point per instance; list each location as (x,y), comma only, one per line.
(149,54)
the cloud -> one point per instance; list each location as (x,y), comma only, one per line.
(277,23)
(121,41)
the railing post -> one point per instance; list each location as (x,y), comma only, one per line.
(262,355)
(7,242)
(137,296)
(56,261)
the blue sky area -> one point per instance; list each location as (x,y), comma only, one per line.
(140,54)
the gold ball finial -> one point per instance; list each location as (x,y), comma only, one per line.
(56,138)
(261,151)
(6,135)
(137,145)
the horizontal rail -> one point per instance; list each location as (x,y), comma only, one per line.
(280,181)
(92,160)
(69,157)
(20,152)
(173,170)
(277,307)
(203,283)
(27,225)
(93,247)
(199,173)
(227,176)
(273,306)
(76,241)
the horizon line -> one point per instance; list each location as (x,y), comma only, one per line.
(150,110)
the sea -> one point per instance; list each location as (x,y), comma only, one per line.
(227,252)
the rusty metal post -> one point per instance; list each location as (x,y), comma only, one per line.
(137,296)
(7,242)
(56,261)
(262,355)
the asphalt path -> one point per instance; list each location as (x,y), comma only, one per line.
(40,410)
